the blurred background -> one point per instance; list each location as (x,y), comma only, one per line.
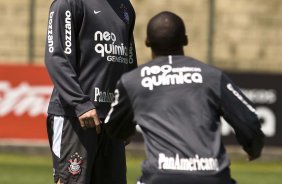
(243,38)
(234,35)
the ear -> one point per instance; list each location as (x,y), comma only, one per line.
(147,42)
(185,40)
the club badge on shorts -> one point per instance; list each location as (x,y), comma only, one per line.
(75,164)
(125,13)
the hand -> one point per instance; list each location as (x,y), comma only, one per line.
(255,149)
(128,140)
(90,119)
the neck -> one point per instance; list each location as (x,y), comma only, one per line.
(156,54)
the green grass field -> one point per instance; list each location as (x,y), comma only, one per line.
(27,169)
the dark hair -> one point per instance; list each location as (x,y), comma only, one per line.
(166,33)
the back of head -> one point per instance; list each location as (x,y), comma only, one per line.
(166,34)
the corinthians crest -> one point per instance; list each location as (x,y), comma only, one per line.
(125,13)
(75,164)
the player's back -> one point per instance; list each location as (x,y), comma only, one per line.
(175,102)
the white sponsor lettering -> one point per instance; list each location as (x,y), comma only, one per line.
(105,45)
(103,96)
(240,97)
(166,75)
(117,59)
(107,49)
(23,99)
(187,164)
(68,43)
(107,36)
(50,38)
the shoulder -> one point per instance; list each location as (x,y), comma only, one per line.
(207,68)
(68,8)
(128,76)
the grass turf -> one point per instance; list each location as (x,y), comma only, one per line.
(28,169)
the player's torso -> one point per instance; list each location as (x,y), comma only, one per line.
(104,36)
(105,30)
(105,47)
(179,117)
(100,46)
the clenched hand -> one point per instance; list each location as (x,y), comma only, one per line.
(90,119)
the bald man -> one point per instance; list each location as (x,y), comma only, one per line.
(178,101)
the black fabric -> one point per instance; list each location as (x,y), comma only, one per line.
(177,102)
(103,158)
(86,55)
(221,178)
(75,142)
(110,162)
(123,128)
(89,45)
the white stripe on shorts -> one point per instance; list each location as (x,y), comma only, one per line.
(57,136)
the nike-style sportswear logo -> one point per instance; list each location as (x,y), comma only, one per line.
(96,12)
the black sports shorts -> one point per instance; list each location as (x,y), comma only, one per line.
(83,157)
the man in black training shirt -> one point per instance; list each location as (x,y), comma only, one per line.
(177,101)
(89,46)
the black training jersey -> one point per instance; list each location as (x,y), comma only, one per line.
(89,46)
(178,101)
